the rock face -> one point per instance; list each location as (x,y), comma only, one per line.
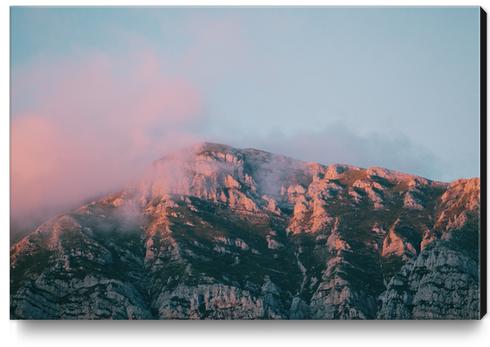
(214,232)
(443,281)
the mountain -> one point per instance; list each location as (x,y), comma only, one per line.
(215,232)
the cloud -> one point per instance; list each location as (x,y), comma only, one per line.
(87,126)
(85,123)
(337,143)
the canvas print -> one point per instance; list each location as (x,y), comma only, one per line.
(247,163)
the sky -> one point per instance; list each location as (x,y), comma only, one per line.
(98,93)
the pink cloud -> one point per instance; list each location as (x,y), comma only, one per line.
(88,126)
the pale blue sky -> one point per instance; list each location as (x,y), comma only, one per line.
(392,87)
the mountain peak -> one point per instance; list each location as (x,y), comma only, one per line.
(212,147)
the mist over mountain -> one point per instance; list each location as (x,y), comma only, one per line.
(216,232)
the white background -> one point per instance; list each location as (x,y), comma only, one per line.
(207,333)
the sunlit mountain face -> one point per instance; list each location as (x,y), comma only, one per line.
(215,232)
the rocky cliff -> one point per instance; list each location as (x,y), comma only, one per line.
(214,232)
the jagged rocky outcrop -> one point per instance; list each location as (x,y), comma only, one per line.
(443,281)
(214,232)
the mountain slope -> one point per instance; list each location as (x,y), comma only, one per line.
(214,232)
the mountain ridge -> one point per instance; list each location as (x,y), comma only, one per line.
(215,232)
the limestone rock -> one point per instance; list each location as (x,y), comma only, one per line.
(215,232)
